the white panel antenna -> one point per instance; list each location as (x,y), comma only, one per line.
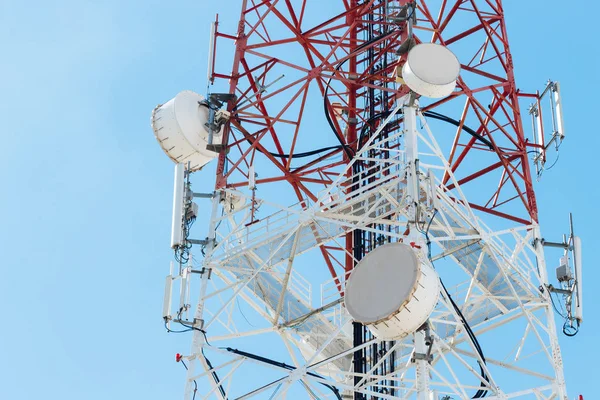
(211,52)
(178,204)
(168,293)
(558,110)
(539,129)
(251,178)
(183,292)
(552,91)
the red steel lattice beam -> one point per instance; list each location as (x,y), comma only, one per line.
(322,50)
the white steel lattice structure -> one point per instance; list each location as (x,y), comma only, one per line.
(265,302)
(496,276)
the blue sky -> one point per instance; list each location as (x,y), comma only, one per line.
(87,191)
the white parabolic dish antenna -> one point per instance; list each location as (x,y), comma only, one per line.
(179,128)
(391,291)
(431,70)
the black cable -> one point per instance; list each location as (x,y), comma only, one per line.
(279,364)
(481,393)
(298,155)
(431,114)
(428,242)
(219,223)
(348,150)
(367,125)
(241,312)
(556,309)
(182,252)
(307,153)
(193,328)
(257,390)
(445,118)
(342,145)
(551,166)
(214,374)
(172,331)
(326,102)
(195,384)
(570,330)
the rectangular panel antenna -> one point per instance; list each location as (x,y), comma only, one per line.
(211,53)
(178,194)
(251,178)
(167,300)
(558,110)
(183,289)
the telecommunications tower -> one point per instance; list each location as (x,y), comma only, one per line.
(372,223)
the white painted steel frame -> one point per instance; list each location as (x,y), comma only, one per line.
(255,264)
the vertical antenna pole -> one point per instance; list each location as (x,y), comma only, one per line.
(578,279)
(199,340)
(423,392)
(540,132)
(410,141)
(412,190)
(353,239)
(211,53)
(554,345)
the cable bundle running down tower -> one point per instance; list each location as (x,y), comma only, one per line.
(373,229)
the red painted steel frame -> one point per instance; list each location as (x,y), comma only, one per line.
(267,124)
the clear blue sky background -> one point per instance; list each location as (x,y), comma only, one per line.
(86,190)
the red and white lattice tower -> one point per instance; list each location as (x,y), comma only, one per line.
(324,155)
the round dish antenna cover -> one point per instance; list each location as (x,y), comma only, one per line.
(391,291)
(431,70)
(179,127)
